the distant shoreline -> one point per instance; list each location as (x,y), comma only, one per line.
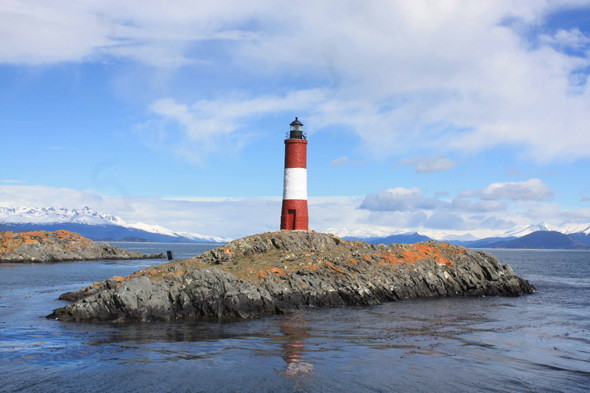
(134,239)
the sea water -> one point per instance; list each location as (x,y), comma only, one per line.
(535,343)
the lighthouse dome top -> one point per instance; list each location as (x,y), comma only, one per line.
(296,130)
(296,122)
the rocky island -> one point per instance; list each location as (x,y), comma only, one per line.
(59,246)
(281,271)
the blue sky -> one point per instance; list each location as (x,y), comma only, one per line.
(452,116)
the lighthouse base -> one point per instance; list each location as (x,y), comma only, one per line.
(294,215)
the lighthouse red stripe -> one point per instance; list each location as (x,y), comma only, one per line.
(295,153)
(294,215)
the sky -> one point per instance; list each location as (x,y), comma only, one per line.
(456,117)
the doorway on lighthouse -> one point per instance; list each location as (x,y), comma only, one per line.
(291,218)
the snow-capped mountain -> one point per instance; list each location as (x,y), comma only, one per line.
(575,228)
(383,232)
(580,232)
(523,230)
(566,229)
(94,225)
(51,215)
(363,233)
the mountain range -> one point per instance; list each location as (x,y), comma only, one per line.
(541,235)
(96,226)
(93,225)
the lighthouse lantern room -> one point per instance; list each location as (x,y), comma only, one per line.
(294,211)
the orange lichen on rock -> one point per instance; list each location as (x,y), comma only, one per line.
(278,271)
(390,258)
(9,241)
(419,252)
(335,268)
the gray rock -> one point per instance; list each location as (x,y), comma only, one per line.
(278,272)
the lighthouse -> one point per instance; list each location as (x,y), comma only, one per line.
(294,211)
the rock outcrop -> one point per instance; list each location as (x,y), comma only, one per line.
(60,246)
(281,271)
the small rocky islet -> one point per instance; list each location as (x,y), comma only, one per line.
(277,272)
(59,246)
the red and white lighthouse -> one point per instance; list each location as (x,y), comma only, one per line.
(294,212)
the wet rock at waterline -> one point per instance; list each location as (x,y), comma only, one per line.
(278,272)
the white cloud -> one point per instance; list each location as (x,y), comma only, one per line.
(229,217)
(427,164)
(393,210)
(393,199)
(544,211)
(444,220)
(578,215)
(155,32)
(404,75)
(572,38)
(209,126)
(403,199)
(12,181)
(339,162)
(530,190)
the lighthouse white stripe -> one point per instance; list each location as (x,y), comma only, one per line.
(295,186)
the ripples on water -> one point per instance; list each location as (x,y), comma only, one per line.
(527,344)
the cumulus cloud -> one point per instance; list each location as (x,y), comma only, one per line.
(339,162)
(409,208)
(530,190)
(487,206)
(544,211)
(412,199)
(578,215)
(427,164)
(493,222)
(395,219)
(393,199)
(444,220)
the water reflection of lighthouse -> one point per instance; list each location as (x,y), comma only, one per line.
(295,331)
(294,211)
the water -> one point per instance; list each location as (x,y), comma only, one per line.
(533,343)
